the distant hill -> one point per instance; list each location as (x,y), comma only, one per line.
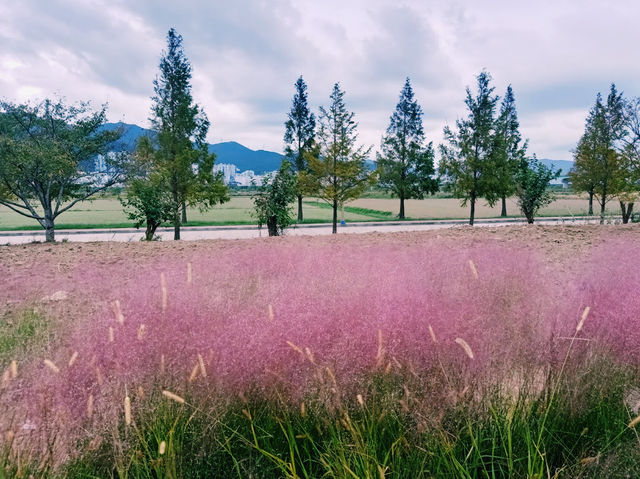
(260,161)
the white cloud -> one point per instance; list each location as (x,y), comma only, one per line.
(247,54)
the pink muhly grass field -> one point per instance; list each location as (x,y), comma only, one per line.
(266,317)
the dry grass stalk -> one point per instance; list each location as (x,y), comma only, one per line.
(99,377)
(583,318)
(163,445)
(634,422)
(163,286)
(194,373)
(141,331)
(13,369)
(309,355)
(173,397)
(465,346)
(380,353)
(473,269)
(127,410)
(90,406)
(118,312)
(189,273)
(52,366)
(432,334)
(270,313)
(295,348)
(203,371)
(162,366)
(247,414)
(72,359)
(111,338)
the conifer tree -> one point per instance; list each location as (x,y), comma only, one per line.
(599,162)
(467,164)
(508,150)
(337,170)
(405,166)
(299,136)
(182,155)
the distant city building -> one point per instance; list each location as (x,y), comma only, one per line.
(232,176)
(228,171)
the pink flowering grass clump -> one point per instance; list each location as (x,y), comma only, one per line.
(266,320)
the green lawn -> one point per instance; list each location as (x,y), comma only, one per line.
(106,212)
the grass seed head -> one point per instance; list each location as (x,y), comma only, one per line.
(583,318)
(173,397)
(51,365)
(72,359)
(473,269)
(127,410)
(163,445)
(203,371)
(465,346)
(13,369)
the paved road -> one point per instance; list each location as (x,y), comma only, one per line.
(236,232)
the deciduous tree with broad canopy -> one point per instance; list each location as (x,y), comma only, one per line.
(273,200)
(47,153)
(405,166)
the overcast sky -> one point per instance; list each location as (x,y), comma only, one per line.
(247,54)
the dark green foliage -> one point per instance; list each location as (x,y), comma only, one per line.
(273,200)
(467,165)
(531,186)
(148,201)
(337,170)
(599,164)
(508,150)
(46,156)
(299,136)
(405,166)
(182,157)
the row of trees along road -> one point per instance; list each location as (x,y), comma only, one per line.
(46,150)
(607,158)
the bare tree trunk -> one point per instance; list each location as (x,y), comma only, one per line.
(300,209)
(602,206)
(503,213)
(49,227)
(627,210)
(176,217)
(401,214)
(591,202)
(334,230)
(150,231)
(184,213)
(272,226)
(473,209)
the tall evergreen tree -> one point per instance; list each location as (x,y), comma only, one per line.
(299,136)
(508,150)
(406,164)
(182,155)
(337,170)
(467,163)
(599,162)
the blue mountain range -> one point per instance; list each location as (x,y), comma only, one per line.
(260,161)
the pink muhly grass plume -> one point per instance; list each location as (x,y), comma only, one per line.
(265,316)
